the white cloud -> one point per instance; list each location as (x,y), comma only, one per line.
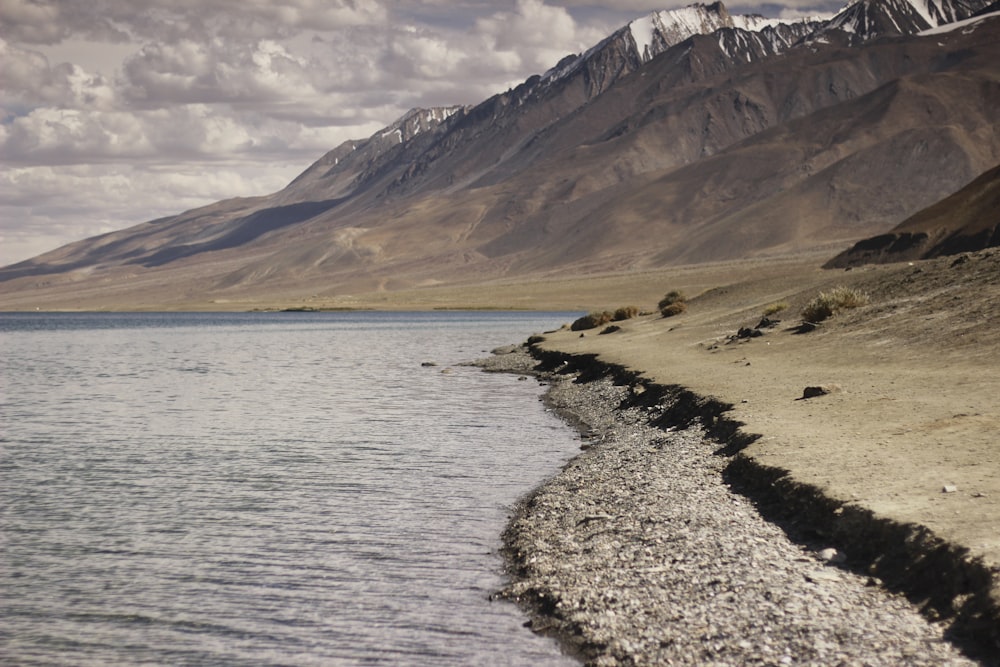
(30,79)
(533,24)
(534,36)
(45,207)
(50,21)
(216,72)
(31,22)
(50,136)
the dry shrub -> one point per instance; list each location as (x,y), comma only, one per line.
(674,303)
(827,303)
(592,321)
(672,309)
(775,308)
(625,313)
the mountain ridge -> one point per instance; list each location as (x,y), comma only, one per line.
(870,19)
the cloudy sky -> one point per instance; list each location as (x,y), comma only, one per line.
(116,112)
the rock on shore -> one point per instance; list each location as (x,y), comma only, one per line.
(639,553)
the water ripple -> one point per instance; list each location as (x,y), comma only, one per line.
(252,490)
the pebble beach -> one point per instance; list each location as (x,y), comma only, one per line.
(641,553)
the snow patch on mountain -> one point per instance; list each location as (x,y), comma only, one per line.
(755,22)
(416,121)
(658,31)
(924,8)
(868,19)
(654,33)
(959,25)
(642,33)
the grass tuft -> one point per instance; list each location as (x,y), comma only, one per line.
(674,303)
(600,318)
(625,313)
(826,304)
(592,321)
(775,308)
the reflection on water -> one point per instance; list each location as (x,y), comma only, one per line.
(264,488)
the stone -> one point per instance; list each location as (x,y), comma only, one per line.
(819,390)
(831,555)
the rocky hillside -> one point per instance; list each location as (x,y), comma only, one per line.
(966,221)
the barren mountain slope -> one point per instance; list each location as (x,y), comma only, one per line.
(967,220)
(821,177)
(720,146)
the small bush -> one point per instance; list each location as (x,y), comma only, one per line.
(592,321)
(674,303)
(827,303)
(625,313)
(672,309)
(775,308)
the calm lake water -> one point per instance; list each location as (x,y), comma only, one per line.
(264,489)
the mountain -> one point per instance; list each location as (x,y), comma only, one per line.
(868,19)
(966,221)
(686,136)
(499,137)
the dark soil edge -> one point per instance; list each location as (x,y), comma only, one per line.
(942,579)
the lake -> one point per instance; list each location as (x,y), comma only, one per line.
(265,488)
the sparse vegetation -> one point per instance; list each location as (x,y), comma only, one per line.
(827,303)
(775,308)
(592,321)
(674,303)
(600,318)
(626,313)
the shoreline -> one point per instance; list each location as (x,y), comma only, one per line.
(610,615)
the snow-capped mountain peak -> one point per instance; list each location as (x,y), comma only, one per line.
(650,35)
(867,19)
(658,31)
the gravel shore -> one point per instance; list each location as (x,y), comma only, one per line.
(640,553)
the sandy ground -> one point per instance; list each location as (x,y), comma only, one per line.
(911,428)
(154,292)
